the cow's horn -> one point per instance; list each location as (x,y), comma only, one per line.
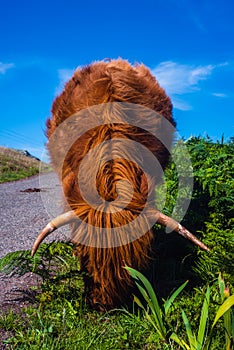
(59,221)
(177,227)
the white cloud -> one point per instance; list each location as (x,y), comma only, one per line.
(180,104)
(64,75)
(219,94)
(5,66)
(199,73)
(179,79)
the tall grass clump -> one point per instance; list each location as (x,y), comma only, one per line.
(202,336)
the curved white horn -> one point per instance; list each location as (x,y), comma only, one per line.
(59,221)
(177,227)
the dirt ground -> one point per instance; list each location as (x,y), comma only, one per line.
(15,295)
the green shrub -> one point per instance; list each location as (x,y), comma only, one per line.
(210,215)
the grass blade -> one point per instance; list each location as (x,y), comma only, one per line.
(227,304)
(179,341)
(203,320)
(148,287)
(228,324)
(221,286)
(191,337)
(147,291)
(139,303)
(149,295)
(170,301)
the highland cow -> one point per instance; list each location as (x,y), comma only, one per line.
(114,86)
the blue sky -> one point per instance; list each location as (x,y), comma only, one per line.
(188,45)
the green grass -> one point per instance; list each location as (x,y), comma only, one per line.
(61,319)
(15,166)
(70,328)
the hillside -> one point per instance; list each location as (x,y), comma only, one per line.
(15,165)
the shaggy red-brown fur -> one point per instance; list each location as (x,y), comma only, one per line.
(107,283)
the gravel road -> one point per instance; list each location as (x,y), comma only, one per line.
(26,206)
(24,214)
